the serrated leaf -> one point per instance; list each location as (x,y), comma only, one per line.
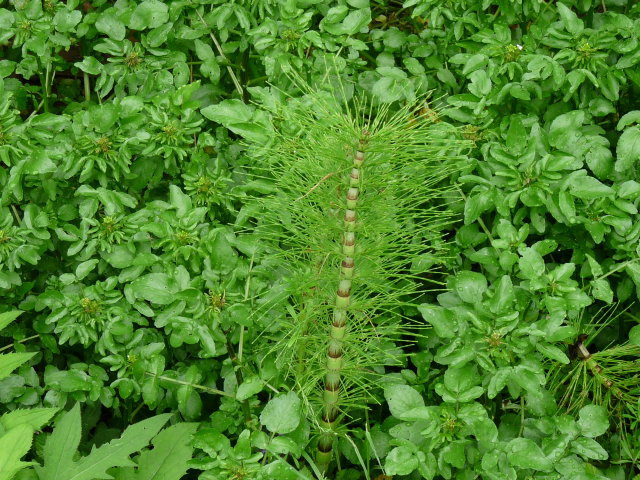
(35,417)
(10,361)
(60,446)
(14,445)
(7,317)
(172,449)
(116,453)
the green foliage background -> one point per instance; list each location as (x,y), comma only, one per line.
(130,133)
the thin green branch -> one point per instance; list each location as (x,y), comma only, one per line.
(6,347)
(219,48)
(215,391)
(87,86)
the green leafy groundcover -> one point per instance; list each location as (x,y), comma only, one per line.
(163,266)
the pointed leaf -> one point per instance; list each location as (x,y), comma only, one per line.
(116,453)
(10,361)
(60,446)
(35,417)
(13,446)
(7,317)
(168,459)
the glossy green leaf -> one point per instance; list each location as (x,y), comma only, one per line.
(470,286)
(593,420)
(400,461)
(524,453)
(282,414)
(109,24)
(402,399)
(628,149)
(155,287)
(148,14)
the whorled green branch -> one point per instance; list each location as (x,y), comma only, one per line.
(359,199)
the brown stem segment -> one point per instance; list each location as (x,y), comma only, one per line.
(337,331)
(596,369)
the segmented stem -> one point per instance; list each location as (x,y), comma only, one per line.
(597,371)
(337,331)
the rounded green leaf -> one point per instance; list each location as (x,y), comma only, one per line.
(402,399)
(470,286)
(589,448)
(109,24)
(282,413)
(442,320)
(65,20)
(149,14)
(249,387)
(155,287)
(593,420)
(400,461)
(628,149)
(524,453)
(531,263)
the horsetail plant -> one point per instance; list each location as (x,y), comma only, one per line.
(609,377)
(356,214)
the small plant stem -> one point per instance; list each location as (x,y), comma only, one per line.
(46,86)
(247,286)
(597,371)
(6,347)
(326,177)
(246,411)
(87,86)
(618,268)
(522,410)
(194,385)
(15,214)
(35,112)
(236,83)
(135,412)
(255,80)
(480,221)
(337,332)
